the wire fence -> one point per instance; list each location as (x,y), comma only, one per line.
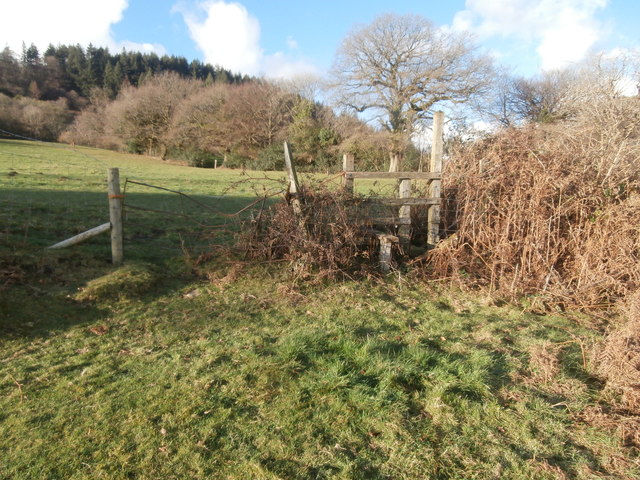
(49,192)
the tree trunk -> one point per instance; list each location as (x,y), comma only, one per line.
(396,161)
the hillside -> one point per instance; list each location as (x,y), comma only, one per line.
(184,366)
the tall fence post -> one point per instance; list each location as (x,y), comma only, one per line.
(404,191)
(348,165)
(115,216)
(437,150)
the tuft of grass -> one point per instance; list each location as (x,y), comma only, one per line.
(126,282)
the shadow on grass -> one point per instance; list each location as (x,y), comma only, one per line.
(29,313)
(155,224)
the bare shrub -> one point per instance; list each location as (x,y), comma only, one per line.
(43,120)
(618,357)
(89,126)
(258,114)
(324,239)
(200,132)
(142,116)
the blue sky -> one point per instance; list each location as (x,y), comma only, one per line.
(284,38)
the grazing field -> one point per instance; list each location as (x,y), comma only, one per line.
(171,368)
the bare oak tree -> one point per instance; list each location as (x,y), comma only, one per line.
(398,68)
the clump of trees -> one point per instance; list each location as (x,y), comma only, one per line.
(239,125)
(169,107)
(41,93)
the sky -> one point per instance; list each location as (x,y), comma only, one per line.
(287,38)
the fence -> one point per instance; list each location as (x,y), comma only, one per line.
(114,225)
(402,221)
(390,230)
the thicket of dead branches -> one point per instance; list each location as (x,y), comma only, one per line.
(553,211)
(549,209)
(325,240)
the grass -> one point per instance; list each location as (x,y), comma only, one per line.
(164,369)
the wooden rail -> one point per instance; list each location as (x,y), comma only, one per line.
(394,175)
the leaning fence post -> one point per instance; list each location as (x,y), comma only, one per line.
(294,186)
(437,149)
(115,216)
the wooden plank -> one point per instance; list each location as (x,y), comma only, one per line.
(402,201)
(81,237)
(385,221)
(115,215)
(404,193)
(394,175)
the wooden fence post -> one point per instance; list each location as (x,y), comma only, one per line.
(294,186)
(115,216)
(386,251)
(404,230)
(437,149)
(348,165)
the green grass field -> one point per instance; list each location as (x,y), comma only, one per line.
(163,369)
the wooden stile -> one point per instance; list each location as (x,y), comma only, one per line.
(404,200)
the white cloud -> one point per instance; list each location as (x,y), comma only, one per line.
(60,21)
(562,30)
(291,43)
(156,48)
(229,36)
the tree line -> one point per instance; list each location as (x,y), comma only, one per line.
(72,68)
(173,108)
(238,125)
(42,93)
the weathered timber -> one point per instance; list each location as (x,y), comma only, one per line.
(348,164)
(404,192)
(384,221)
(402,201)
(393,175)
(81,237)
(386,256)
(437,149)
(294,186)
